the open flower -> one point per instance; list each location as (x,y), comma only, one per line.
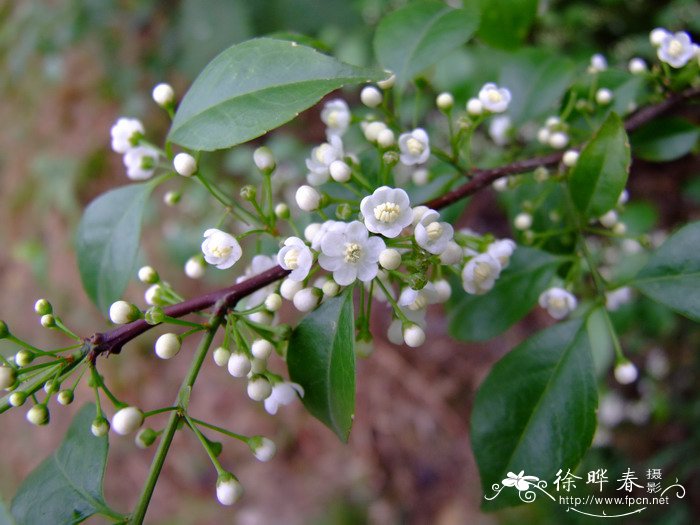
(494,98)
(480,274)
(124,134)
(414,146)
(351,255)
(334,226)
(519,481)
(558,302)
(336,116)
(676,49)
(432,235)
(295,256)
(220,249)
(321,158)
(387,211)
(282,394)
(140,162)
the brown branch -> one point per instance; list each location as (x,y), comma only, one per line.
(112,342)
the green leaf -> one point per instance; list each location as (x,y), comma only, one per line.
(321,358)
(536,409)
(67,487)
(416,36)
(665,139)
(600,174)
(481,317)
(5,516)
(506,23)
(672,275)
(254,87)
(108,241)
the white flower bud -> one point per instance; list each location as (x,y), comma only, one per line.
(543,135)
(308,198)
(637,66)
(43,307)
(289,288)
(38,415)
(259,388)
(390,259)
(500,184)
(51,387)
(65,397)
(145,438)
(558,140)
(195,267)
(273,302)
(620,228)
(148,275)
(263,449)
(452,255)
(310,232)
(340,171)
(261,348)
(413,335)
(389,82)
(443,289)
(48,321)
(8,377)
(99,427)
(127,420)
(228,490)
(371,96)
(330,288)
(171,198)
(386,138)
(306,299)
(17,399)
(445,101)
(420,177)
(261,317)
(522,221)
(185,164)
(475,107)
(221,356)
(168,345)
(623,198)
(570,157)
(656,37)
(163,95)
(373,129)
(264,159)
(122,312)
(23,358)
(282,211)
(238,364)
(626,373)
(603,96)
(609,220)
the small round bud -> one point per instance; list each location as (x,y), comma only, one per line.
(263,449)
(657,36)
(99,427)
(340,171)
(311,230)
(171,198)
(420,177)
(391,158)
(609,220)
(17,399)
(154,315)
(522,221)
(453,254)
(122,312)
(8,377)
(65,397)
(43,307)
(443,289)
(23,358)
(330,288)
(603,96)
(195,267)
(373,129)
(48,321)
(148,275)
(371,96)
(238,365)
(248,192)
(4,331)
(570,157)
(273,302)
(626,373)
(261,317)
(389,82)
(264,159)
(541,174)
(168,345)
(38,415)
(259,388)
(282,211)
(127,420)
(390,259)
(308,198)
(620,228)
(386,138)
(623,198)
(558,140)
(343,211)
(637,66)
(163,95)
(307,299)
(475,107)
(261,348)
(413,335)
(51,387)
(543,135)
(228,489)
(289,288)
(221,356)
(185,164)
(445,101)
(145,438)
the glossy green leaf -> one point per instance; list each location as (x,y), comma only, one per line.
(600,174)
(321,358)
(481,317)
(67,487)
(672,275)
(254,87)
(506,23)
(665,139)
(415,37)
(108,241)
(535,411)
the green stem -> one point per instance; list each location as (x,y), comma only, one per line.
(240,437)
(205,445)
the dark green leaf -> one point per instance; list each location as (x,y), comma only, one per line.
(506,23)
(665,139)
(416,36)
(481,317)
(321,358)
(67,487)
(672,275)
(108,242)
(600,174)
(536,409)
(254,87)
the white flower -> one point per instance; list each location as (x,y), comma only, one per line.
(413,336)
(626,373)
(228,490)
(308,199)
(475,107)
(140,162)
(501,250)
(558,302)
(371,96)
(321,158)
(263,449)
(168,345)
(676,49)
(414,146)
(194,267)
(126,420)
(431,235)
(598,64)
(282,394)
(336,116)
(480,274)
(519,481)
(163,94)
(616,298)
(295,256)
(493,98)
(656,36)
(387,211)
(125,132)
(499,128)
(185,164)
(220,249)
(352,254)
(453,254)
(415,300)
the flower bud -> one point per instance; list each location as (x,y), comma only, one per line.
(475,107)
(657,36)
(259,388)
(261,348)
(390,259)
(264,159)
(343,211)
(391,158)
(603,96)
(261,317)
(154,315)
(626,373)
(420,177)
(23,358)
(637,66)
(445,101)
(522,221)
(248,192)
(620,228)
(264,449)
(372,130)
(171,198)
(238,365)
(609,220)
(48,321)
(289,288)
(570,157)
(122,312)
(8,377)
(65,397)
(282,211)
(163,95)
(38,415)
(389,82)
(51,387)
(168,345)
(307,299)
(273,302)
(43,307)
(386,138)
(453,254)
(99,427)
(221,356)
(413,335)
(340,171)
(17,399)
(145,438)
(443,289)
(148,275)
(330,288)
(127,420)
(371,96)
(308,198)
(558,140)
(185,164)
(194,267)
(228,489)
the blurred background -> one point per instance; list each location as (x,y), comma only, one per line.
(70,68)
